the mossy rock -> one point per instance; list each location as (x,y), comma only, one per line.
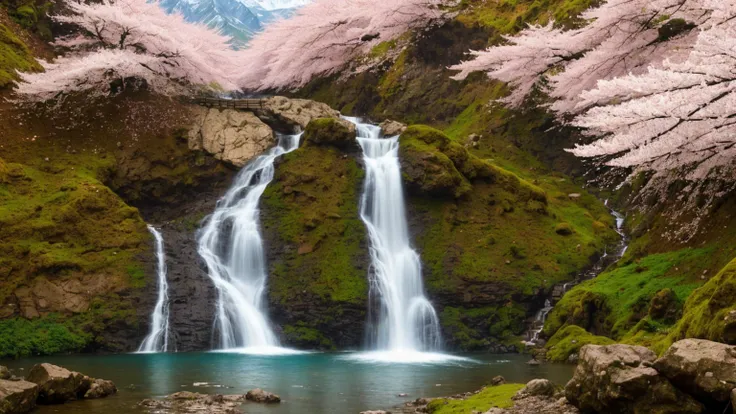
(317,248)
(710,312)
(331,131)
(568,341)
(664,305)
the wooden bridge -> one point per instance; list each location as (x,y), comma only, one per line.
(246,104)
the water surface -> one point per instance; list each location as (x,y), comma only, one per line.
(307,383)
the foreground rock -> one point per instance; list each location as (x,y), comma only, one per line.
(17,396)
(260,396)
(620,379)
(230,135)
(330,131)
(186,402)
(57,385)
(704,369)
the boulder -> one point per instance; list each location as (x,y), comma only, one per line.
(292,115)
(229,135)
(704,369)
(331,131)
(260,396)
(537,388)
(390,128)
(100,388)
(57,385)
(498,380)
(5,373)
(664,305)
(17,396)
(620,379)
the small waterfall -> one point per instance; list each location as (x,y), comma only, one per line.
(538,324)
(405,320)
(158,337)
(231,245)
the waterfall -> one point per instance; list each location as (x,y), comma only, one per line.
(405,320)
(158,337)
(231,245)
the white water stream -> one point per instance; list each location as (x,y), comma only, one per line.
(405,325)
(231,245)
(158,336)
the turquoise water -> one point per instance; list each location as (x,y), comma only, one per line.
(307,383)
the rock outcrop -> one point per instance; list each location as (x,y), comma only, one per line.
(290,115)
(537,388)
(620,379)
(186,402)
(703,369)
(17,397)
(390,128)
(260,396)
(58,385)
(331,131)
(230,135)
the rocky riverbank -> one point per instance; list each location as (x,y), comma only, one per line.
(692,376)
(48,384)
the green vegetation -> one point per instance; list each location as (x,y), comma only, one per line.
(14,56)
(636,302)
(45,336)
(489,397)
(569,340)
(507,16)
(709,311)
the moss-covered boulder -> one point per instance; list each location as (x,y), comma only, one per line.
(565,344)
(664,305)
(710,312)
(331,131)
(317,248)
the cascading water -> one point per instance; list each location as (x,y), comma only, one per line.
(158,337)
(231,245)
(406,322)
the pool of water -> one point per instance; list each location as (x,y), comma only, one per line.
(307,383)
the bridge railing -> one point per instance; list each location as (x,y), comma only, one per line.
(246,104)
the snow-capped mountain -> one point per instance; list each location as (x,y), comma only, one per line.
(239,19)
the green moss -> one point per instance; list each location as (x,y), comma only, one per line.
(569,340)
(616,303)
(707,312)
(478,328)
(564,229)
(380,50)
(306,337)
(14,56)
(498,396)
(46,336)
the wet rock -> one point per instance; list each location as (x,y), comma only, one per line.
(260,396)
(536,388)
(289,115)
(230,135)
(17,396)
(390,128)
(100,388)
(498,380)
(620,379)
(330,131)
(186,402)
(704,369)
(57,385)
(533,362)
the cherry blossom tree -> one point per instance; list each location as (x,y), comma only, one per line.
(326,35)
(653,79)
(132,39)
